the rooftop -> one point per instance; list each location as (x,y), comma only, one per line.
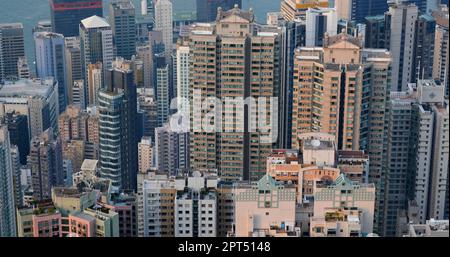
(89,164)
(25,88)
(95,22)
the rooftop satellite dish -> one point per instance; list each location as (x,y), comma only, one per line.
(315,143)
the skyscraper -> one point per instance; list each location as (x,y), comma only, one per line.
(66,15)
(18,133)
(334,106)
(423,48)
(7,207)
(74,67)
(182,78)
(171,151)
(35,98)
(416,169)
(357,10)
(46,164)
(117,127)
(441,47)
(400,30)
(96,43)
(76,124)
(12,47)
(375,32)
(220,66)
(123,24)
(164,23)
(318,22)
(207,9)
(51,61)
(94,82)
(162,87)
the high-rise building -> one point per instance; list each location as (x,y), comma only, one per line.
(74,67)
(207,9)
(293,37)
(164,23)
(78,90)
(334,106)
(293,9)
(18,133)
(96,43)
(400,30)
(145,154)
(76,124)
(417,167)
(196,206)
(46,163)
(441,47)
(51,61)
(35,98)
(7,206)
(162,88)
(171,150)
(375,32)
(66,15)
(182,70)
(117,127)
(423,48)
(12,47)
(221,66)
(144,53)
(95,82)
(318,22)
(15,161)
(148,106)
(122,18)
(374,110)
(156,197)
(357,10)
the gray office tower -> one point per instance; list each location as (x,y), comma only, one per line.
(123,24)
(11,49)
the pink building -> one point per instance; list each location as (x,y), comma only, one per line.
(81,225)
(47,222)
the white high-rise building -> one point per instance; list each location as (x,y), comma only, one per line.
(7,207)
(196,206)
(401,19)
(318,22)
(183,78)
(164,23)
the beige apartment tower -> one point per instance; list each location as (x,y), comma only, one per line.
(233,58)
(328,91)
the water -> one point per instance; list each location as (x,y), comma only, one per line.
(29,12)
